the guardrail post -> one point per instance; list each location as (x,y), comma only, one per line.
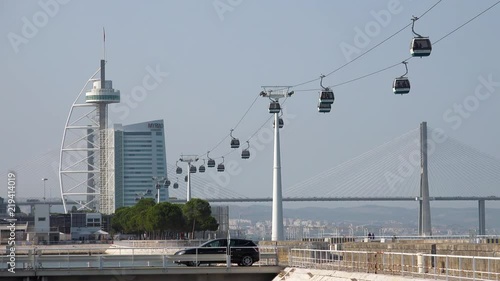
(473,268)
(446,268)
(164,260)
(402,265)
(420,263)
(100,262)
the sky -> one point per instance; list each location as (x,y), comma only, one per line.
(209,59)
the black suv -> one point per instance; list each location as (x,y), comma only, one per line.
(243,252)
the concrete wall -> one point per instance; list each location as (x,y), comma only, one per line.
(375,258)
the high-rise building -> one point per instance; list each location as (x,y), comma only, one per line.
(140,162)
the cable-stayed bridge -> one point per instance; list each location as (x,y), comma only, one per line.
(389,172)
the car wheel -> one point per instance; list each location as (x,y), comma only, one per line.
(192,263)
(246,261)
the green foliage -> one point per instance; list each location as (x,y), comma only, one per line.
(196,212)
(147,216)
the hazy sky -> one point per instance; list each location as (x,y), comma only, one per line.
(210,59)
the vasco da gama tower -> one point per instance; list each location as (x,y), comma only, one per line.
(86,167)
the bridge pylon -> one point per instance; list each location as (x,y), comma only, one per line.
(424,218)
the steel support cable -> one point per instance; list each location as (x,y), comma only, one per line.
(368,171)
(467,22)
(367,175)
(381,183)
(436,174)
(372,175)
(474,151)
(455,168)
(478,165)
(369,50)
(198,181)
(350,162)
(401,179)
(204,182)
(201,184)
(337,69)
(234,128)
(389,67)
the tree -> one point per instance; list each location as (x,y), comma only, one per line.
(196,213)
(164,217)
(118,222)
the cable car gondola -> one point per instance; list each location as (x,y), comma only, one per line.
(167,183)
(235,143)
(420,46)
(210,162)
(220,167)
(274,107)
(178,170)
(401,85)
(324,107)
(326,97)
(201,169)
(245,153)
(176,185)
(192,169)
(281,123)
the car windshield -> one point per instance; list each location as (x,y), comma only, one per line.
(214,244)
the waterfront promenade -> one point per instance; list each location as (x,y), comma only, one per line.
(340,259)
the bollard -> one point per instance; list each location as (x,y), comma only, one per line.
(420,263)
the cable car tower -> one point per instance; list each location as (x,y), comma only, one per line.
(190,169)
(86,163)
(274,93)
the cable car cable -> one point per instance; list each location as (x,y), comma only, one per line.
(369,50)
(467,22)
(330,73)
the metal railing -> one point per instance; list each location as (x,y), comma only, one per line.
(443,267)
(117,257)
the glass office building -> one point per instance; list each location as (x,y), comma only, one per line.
(140,162)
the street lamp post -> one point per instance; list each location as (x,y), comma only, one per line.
(44,180)
(274,93)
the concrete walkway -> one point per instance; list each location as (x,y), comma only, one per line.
(303,274)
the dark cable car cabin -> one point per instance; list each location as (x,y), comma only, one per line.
(245,154)
(178,170)
(220,167)
(211,163)
(176,185)
(201,169)
(167,183)
(192,169)
(274,107)
(420,47)
(324,107)
(235,143)
(326,96)
(281,123)
(401,85)
(185,178)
